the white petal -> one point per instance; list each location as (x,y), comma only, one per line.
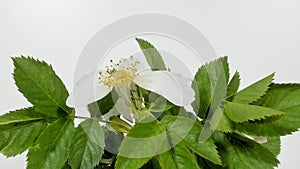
(190,109)
(120,107)
(172,86)
(87,90)
(124,92)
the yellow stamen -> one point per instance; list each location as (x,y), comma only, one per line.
(120,73)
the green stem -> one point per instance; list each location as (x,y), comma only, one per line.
(85,118)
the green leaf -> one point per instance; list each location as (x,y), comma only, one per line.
(206,149)
(153,57)
(269,127)
(20,137)
(87,145)
(210,84)
(216,118)
(19,116)
(233,86)
(205,164)
(189,131)
(144,141)
(152,164)
(134,163)
(41,86)
(240,152)
(243,112)
(254,91)
(221,122)
(19,129)
(273,145)
(282,97)
(179,157)
(52,147)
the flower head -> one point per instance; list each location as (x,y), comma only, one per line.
(123,76)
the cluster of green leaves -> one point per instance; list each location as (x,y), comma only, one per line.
(221,134)
(46,128)
(263,109)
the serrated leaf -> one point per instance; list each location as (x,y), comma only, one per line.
(19,129)
(254,92)
(21,115)
(41,86)
(87,145)
(52,147)
(206,149)
(16,138)
(282,97)
(221,122)
(210,84)
(233,86)
(189,131)
(179,157)
(240,152)
(269,127)
(205,164)
(273,145)
(144,141)
(153,57)
(243,112)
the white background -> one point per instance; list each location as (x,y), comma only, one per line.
(260,37)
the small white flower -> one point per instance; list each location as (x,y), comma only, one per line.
(122,76)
